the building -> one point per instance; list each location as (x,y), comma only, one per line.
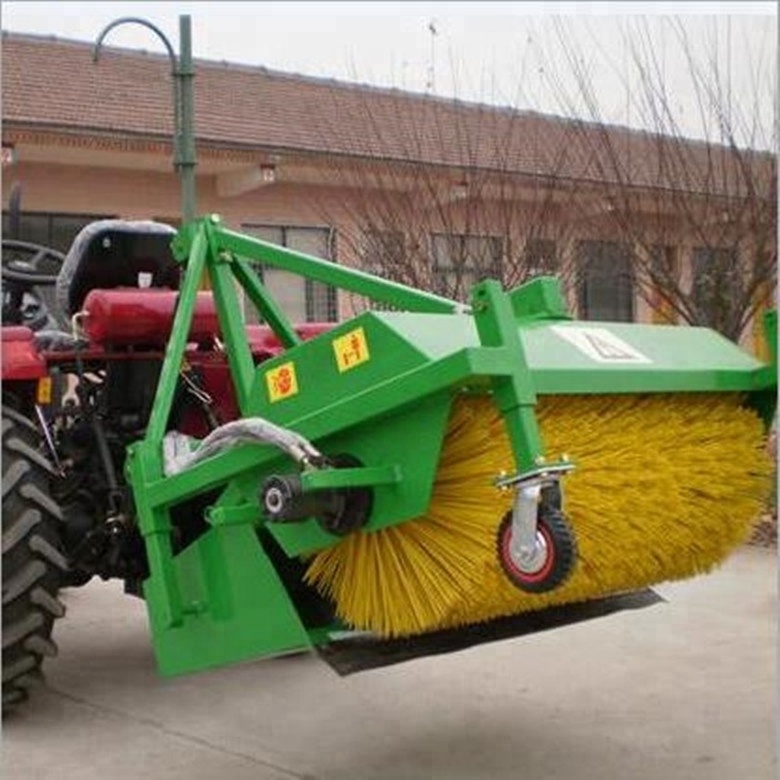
(434,192)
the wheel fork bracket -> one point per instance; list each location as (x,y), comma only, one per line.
(526,548)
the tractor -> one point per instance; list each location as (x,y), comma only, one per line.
(84,335)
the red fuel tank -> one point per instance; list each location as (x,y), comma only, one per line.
(123,317)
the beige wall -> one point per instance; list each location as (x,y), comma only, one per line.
(129,193)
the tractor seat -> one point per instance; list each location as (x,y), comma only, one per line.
(113,253)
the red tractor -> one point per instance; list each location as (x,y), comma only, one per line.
(84,336)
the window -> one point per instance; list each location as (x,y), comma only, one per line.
(460,261)
(52,230)
(716,282)
(540,258)
(383,253)
(302,300)
(606,282)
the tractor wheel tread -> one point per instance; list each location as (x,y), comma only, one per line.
(29,453)
(20,629)
(11,417)
(12,477)
(33,564)
(13,697)
(46,601)
(23,580)
(47,550)
(15,532)
(39,645)
(19,668)
(42,500)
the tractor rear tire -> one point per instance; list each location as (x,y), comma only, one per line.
(33,564)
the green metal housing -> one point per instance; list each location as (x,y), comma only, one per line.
(369,388)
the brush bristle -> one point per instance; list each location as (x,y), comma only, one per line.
(665,486)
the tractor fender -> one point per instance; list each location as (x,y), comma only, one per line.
(21,358)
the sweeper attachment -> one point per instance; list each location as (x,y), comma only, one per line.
(420,472)
(404,483)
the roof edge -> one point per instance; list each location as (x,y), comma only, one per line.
(390,91)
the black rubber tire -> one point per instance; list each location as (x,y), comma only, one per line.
(33,565)
(561,553)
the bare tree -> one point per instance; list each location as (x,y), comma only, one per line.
(699,215)
(438,193)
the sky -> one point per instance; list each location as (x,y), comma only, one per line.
(507,53)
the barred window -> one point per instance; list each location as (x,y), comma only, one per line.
(540,258)
(48,229)
(383,253)
(716,281)
(302,300)
(460,261)
(606,281)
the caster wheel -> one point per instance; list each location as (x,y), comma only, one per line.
(551,563)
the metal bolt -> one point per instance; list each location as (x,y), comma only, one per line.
(274,500)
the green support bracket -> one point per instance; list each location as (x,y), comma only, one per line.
(154,522)
(174,352)
(231,322)
(266,306)
(241,514)
(324,479)
(514,393)
(321,479)
(539,299)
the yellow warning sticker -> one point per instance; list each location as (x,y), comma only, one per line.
(351,350)
(43,392)
(282,382)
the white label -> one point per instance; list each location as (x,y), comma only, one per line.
(601,345)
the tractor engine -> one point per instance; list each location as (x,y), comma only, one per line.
(117,287)
(104,412)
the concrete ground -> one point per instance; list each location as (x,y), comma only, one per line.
(680,691)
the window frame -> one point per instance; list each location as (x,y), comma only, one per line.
(532,267)
(621,252)
(369,252)
(86,218)
(462,272)
(310,287)
(722,280)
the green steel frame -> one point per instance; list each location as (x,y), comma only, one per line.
(221,599)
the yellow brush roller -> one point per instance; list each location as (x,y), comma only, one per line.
(665,486)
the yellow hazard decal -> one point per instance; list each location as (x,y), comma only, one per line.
(43,391)
(282,382)
(351,350)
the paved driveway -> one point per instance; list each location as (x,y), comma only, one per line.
(680,691)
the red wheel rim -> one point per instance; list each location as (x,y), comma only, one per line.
(517,573)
